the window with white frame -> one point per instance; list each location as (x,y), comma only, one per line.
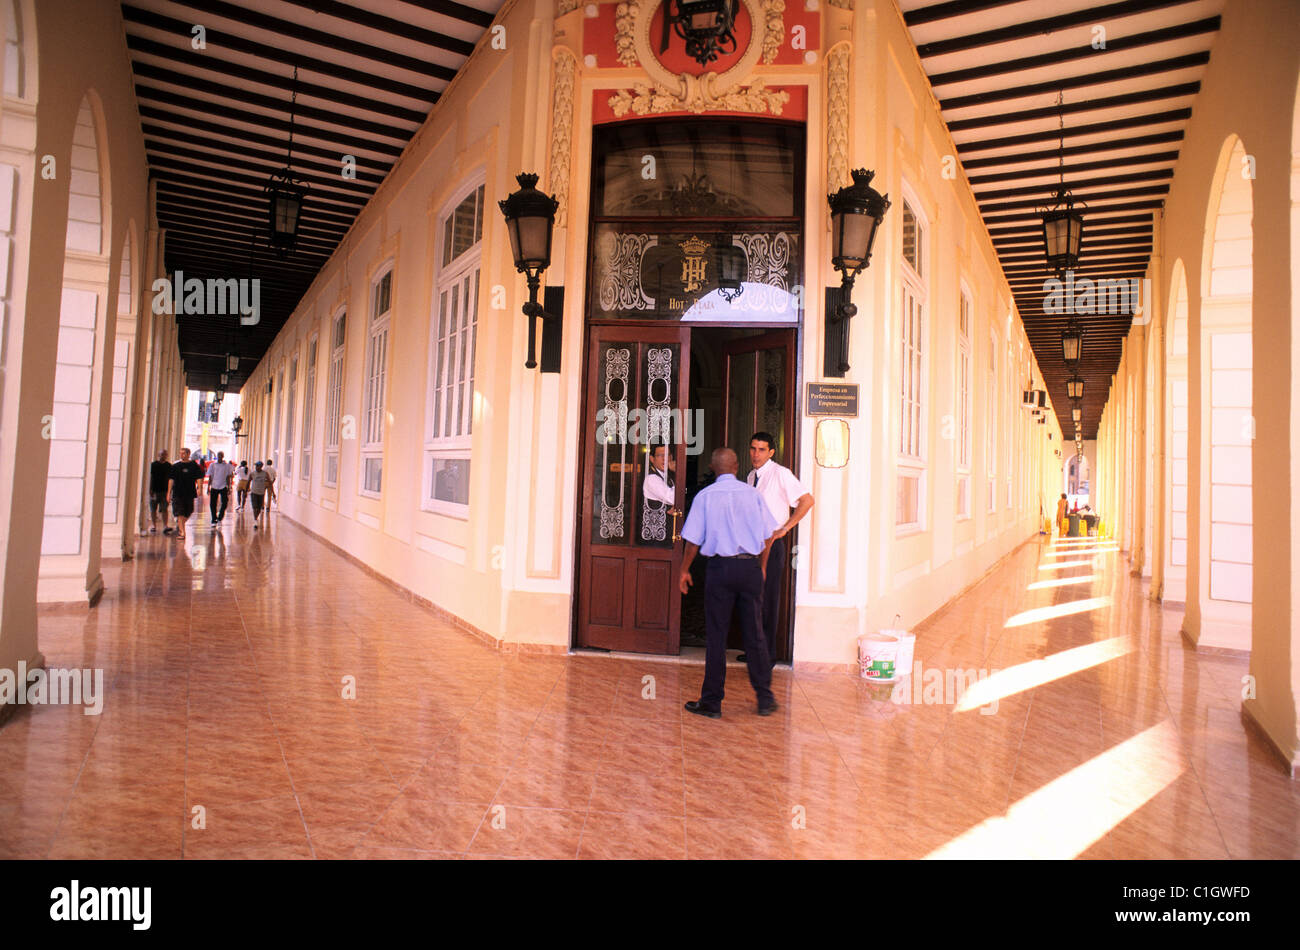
(451,358)
(911,377)
(963,405)
(1010,409)
(372,439)
(288,421)
(334,399)
(308,412)
(279,412)
(991,423)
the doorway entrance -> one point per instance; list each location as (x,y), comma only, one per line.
(663,397)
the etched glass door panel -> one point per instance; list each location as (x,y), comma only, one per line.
(630,554)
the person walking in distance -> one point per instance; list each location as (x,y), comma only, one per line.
(242,475)
(1062,509)
(160,473)
(257,486)
(271,475)
(731,525)
(789,500)
(219,475)
(183,490)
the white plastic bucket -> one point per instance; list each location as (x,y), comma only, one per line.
(906,650)
(878,657)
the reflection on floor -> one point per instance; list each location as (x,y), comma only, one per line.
(224,733)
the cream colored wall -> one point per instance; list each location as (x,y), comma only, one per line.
(73,49)
(509,569)
(1258,105)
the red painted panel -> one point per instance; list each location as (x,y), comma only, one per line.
(598,35)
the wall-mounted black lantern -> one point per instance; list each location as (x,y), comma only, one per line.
(1072,344)
(707,26)
(856,213)
(1074,387)
(285,193)
(530,221)
(236,424)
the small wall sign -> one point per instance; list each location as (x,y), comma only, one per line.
(832,399)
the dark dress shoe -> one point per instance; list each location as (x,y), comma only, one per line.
(694,706)
(768,710)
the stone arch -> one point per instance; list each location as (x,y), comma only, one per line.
(1176,434)
(18,79)
(1226,421)
(69,563)
(128,294)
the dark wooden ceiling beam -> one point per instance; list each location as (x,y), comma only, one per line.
(1089,221)
(1042,27)
(1020,174)
(1095,128)
(215,134)
(310,209)
(219,39)
(256,160)
(1091,148)
(1180,91)
(253,219)
(247,98)
(338,190)
(386,24)
(1050,188)
(1115,44)
(1030,216)
(329,41)
(993,207)
(1173,64)
(192,59)
(196,227)
(348,143)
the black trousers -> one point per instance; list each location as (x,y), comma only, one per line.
(772,592)
(213,495)
(730,584)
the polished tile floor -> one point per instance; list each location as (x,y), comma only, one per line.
(225,731)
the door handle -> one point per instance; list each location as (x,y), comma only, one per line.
(676,513)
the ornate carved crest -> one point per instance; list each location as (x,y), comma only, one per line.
(708,91)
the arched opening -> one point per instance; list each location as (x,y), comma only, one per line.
(1227,428)
(65,493)
(1151,451)
(1176,475)
(118,391)
(1078,481)
(15,55)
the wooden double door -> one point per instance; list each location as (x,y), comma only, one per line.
(639,395)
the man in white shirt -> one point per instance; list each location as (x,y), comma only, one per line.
(219,474)
(788,500)
(658,484)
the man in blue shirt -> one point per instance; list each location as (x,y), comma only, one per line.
(732,526)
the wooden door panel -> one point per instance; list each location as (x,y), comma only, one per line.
(654,592)
(605,591)
(628,556)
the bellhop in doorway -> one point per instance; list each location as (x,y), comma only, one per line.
(789,500)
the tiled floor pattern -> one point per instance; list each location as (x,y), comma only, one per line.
(225,733)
